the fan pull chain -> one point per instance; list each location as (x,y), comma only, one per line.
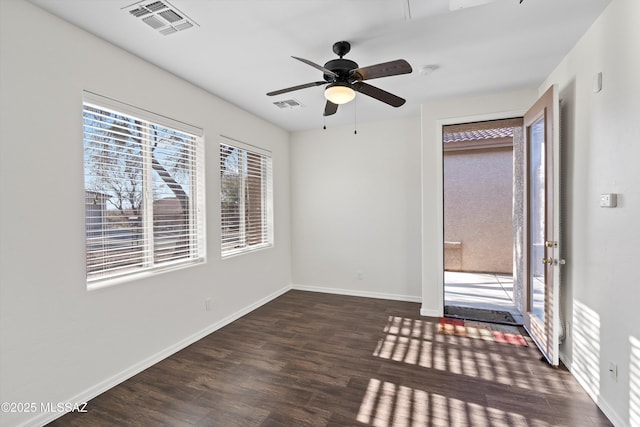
(355,116)
(324,122)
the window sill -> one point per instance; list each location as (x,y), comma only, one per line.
(236,252)
(103,283)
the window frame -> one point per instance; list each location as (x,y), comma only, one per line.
(266,202)
(194,228)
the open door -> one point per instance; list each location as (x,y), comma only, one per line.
(542,238)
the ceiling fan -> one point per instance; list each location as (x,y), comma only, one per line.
(344,78)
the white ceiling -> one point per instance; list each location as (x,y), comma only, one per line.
(241,49)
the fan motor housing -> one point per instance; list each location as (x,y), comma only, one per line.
(341,67)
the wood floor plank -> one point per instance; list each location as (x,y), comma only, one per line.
(313,359)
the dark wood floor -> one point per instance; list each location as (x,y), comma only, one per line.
(327,360)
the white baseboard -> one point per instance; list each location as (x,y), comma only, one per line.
(429,312)
(604,406)
(357,293)
(105,385)
(611,414)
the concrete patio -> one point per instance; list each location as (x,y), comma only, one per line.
(487,291)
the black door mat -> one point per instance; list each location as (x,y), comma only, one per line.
(480,315)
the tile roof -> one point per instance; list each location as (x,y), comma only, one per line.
(479,134)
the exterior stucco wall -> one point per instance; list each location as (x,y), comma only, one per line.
(478,199)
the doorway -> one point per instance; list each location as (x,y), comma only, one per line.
(538,259)
(478,212)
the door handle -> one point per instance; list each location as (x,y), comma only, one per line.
(550,260)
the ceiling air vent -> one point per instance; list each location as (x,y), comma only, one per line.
(289,103)
(161,16)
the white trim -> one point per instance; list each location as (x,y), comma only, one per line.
(440,188)
(231,253)
(124,375)
(430,313)
(226,140)
(90,393)
(357,293)
(606,409)
(102,283)
(247,168)
(116,106)
(108,109)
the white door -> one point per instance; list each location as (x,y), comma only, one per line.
(542,285)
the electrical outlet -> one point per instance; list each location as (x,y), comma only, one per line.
(207,304)
(359,275)
(613,371)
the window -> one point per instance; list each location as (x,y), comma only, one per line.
(246,198)
(143,190)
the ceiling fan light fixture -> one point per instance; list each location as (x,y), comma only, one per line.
(339,94)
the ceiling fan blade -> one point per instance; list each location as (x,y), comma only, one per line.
(314,65)
(330,108)
(385,69)
(379,94)
(292,88)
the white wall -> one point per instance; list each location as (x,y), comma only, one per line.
(356,209)
(59,341)
(359,203)
(601,132)
(434,115)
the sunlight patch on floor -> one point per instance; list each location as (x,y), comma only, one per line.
(389,404)
(417,342)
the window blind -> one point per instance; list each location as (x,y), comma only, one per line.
(143,193)
(246,198)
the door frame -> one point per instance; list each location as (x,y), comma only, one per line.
(440,185)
